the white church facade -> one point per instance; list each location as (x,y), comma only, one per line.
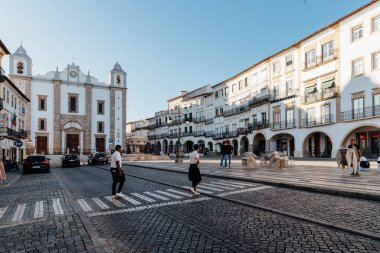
(71,111)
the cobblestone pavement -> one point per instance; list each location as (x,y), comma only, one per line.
(321,176)
(69,210)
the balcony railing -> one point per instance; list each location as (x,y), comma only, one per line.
(283,95)
(283,125)
(199,119)
(199,133)
(258,125)
(319,96)
(236,110)
(367,112)
(209,121)
(323,120)
(209,134)
(16,135)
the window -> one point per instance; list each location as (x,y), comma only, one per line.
(191,116)
(185,129)
(73,103)
(190,129)
(254,120)
(216,94)
(118,79)
(16,103)
(357,67)
(276,91)
(276,118)
(289,87)
(289,117)
(42,103)
(310,58)
(221,92)
(20,67)
(216,112)
(221,111)
(246,82)
(240,85)
(233,87)
(263,76)
(254,79)
(327,51)
(100,127)
(375,24)
(100,107)
(8,96)
(357,33)
(226,91)
(4,93)
(276,67)
(264,117)
(289,61)
(325,114)
(42,125)
(376,60)
(358,105)
(310,116)
(12,101)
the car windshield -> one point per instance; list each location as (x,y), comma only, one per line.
(100,155)
(71,157)
(36,158)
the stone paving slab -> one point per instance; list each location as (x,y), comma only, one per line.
(319,176)
(12,177)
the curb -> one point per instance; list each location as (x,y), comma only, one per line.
(330,191)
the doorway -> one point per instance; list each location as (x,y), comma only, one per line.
(72,143)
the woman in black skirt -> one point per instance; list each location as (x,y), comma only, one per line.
(194,173)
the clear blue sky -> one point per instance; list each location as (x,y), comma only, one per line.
(164,45)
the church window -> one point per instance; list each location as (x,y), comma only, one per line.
(100,107)
(42,103)
(20,67)
(73,103)
(118,79)
(42,124)
(100,127)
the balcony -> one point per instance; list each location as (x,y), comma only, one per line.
(2,75)
(288,124)
(199,119)
(16,135)
(209,121)
(323,120)
(209,134)
(364,113)
(319,96)
(276,97)
(258,125)
(199,134)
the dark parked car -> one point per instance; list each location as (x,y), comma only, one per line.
(98,158)
(70,160)
(10,164)
(36,163)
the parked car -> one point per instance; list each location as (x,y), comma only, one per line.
(70,160)
(98,158)
(10,164)
(36,163)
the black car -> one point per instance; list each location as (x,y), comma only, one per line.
(98,158)
(10,164)
(70,160)
(36,163)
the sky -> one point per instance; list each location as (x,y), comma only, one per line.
(165,46)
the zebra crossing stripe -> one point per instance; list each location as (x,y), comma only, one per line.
(198,190)
(219,186)
(210,188)
(156,196)
(85,206)
(39,209)
(169,194)
(100,203)
(181,193)
(227,184)
(239,183)
(115,201)
(57,207)
(19,212)
(245,190)
(143,197)
(2,211)
(130,200)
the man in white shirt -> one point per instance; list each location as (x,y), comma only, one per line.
(117,173)
(194,172)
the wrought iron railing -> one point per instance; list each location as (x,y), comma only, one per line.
(16,135)
(283,95)
(366,112)
(321,95)
(323,120)
(283,125)
(258,125)
(199,119)
(209,121)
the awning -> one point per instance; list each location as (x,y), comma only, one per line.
(328,84)
(311,89)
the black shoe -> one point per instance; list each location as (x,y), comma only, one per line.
(352,173)
(357,174)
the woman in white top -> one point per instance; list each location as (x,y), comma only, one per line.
(194,172)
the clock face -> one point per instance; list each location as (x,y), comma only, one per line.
(73,74)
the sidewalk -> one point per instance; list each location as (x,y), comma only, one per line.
(317,176)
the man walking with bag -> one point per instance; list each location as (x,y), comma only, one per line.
(194,172)
(117,173)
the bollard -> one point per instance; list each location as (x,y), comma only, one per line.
(378,164)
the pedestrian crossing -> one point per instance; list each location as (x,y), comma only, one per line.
(139,200)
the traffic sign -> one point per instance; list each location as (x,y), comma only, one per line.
(18,144)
